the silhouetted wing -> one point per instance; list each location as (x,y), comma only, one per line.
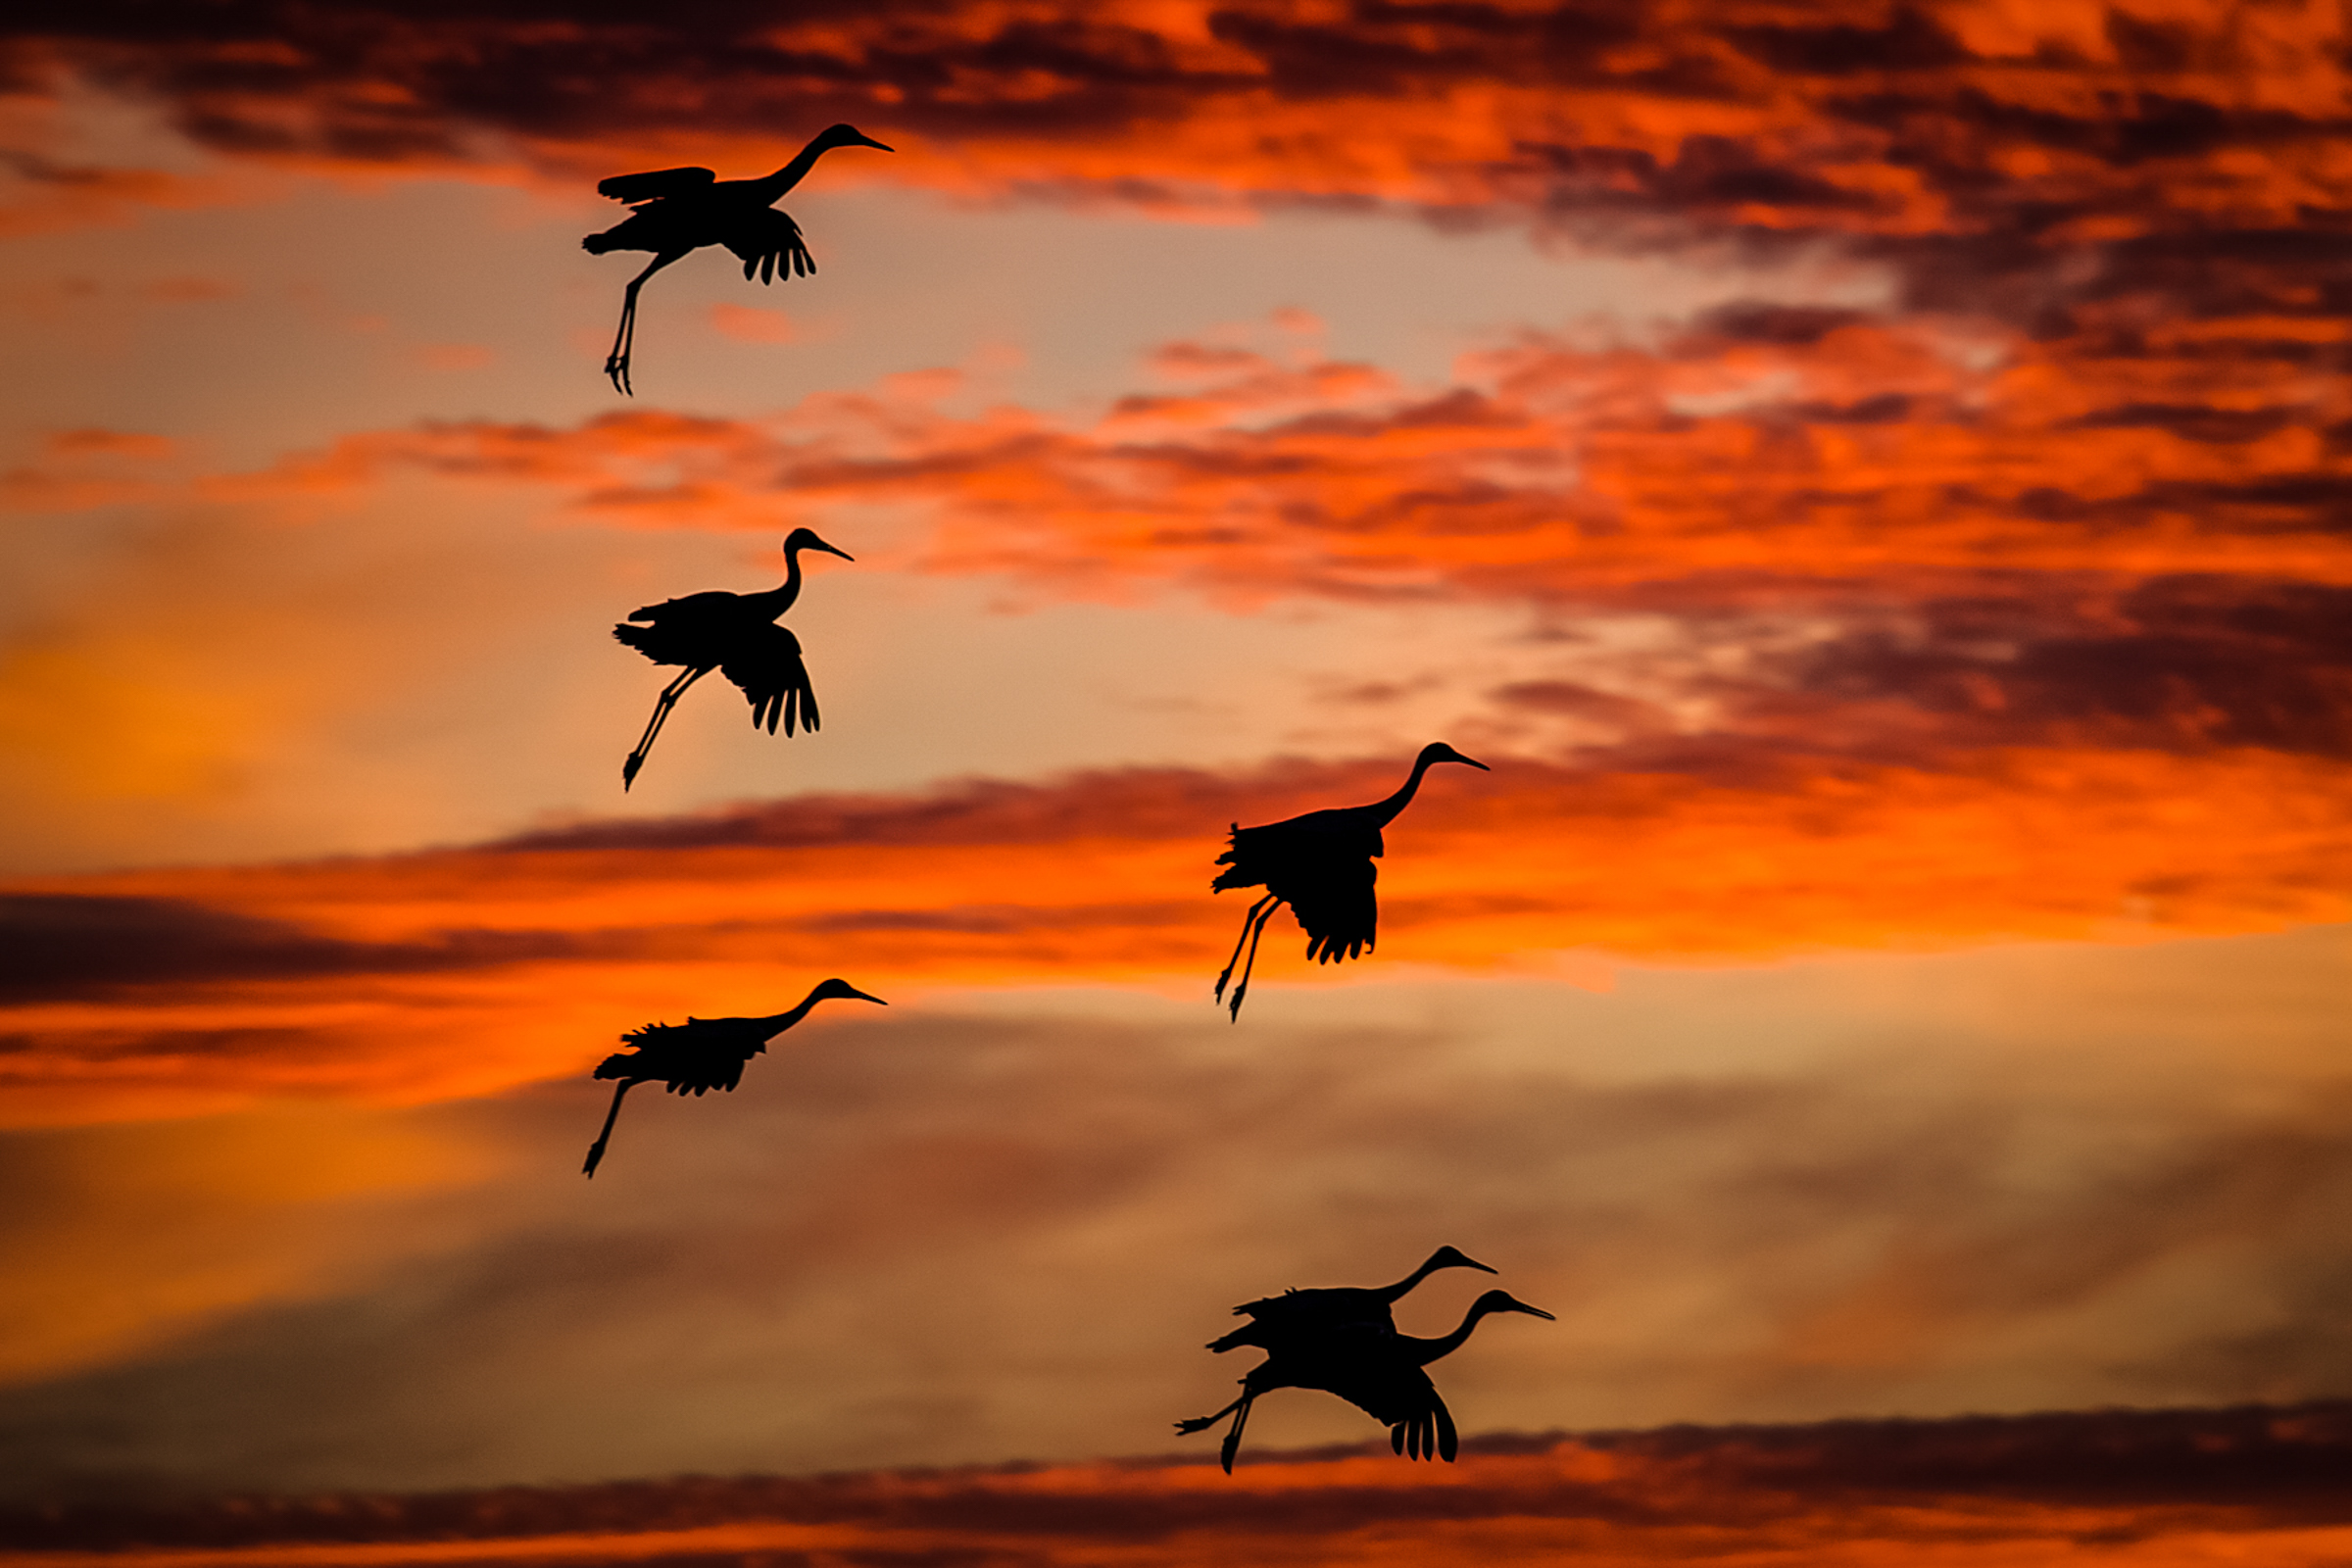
(1268,855)
(765,664)
(1338,1330)
(1400,1397)
(692,1058)
(768,242)
(1336,907)
(657,182)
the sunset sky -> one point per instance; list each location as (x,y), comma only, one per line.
(1872,480)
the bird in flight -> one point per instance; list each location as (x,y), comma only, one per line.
(675,212)
(1321,866)
(1381,1374)
(1279,1321)
(735,634)
(701,1055)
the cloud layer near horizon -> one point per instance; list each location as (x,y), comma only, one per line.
(170,992)
(2123,1489)
(993,1225)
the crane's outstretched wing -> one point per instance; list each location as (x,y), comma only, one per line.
(765,664)
(653,184)
(1336,907)
(695,1056)
(1400,1397)
(768,242)
(1322,1329)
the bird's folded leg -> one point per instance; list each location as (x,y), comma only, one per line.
(653,726)
(1237,946)
(1233,1438)
(1249,965)
(1201,1423)
(596,1151)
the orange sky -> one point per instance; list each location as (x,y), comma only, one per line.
(2021,1492)
(1870,478)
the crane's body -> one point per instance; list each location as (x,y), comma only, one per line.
(1297,1318)
(676,211)
(734,634)
(1380,1374)
(701,1055)
(1320,864)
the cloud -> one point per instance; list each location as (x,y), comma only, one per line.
(64,945)
(1995,1181)
(2135,1487)
(522,960)
(1762,455)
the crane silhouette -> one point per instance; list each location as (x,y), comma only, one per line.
(701,1055)
(676,211)
(735,634)
(1296,1316)
(1321,866)
(1380,1374)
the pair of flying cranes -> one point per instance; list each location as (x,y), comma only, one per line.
(1342,1341)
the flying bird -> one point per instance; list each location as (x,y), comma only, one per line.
(1321,866)
(675,212)
(701,1055)
(1303,1316)
(734,634)
(1380,1374)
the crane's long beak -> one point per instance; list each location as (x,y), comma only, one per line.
(1531,1312)
(864,140)
(862,996)
(1475,762)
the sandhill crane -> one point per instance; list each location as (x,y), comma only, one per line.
(734,634)
(679,211)
(701,1054)
(1380,1374)
(1294,1316)
(1321,866)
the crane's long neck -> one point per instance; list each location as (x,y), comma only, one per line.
(1424,1352)
(1385,811)
(772,188)
(782,1021)
(776,601)
(1396,1292)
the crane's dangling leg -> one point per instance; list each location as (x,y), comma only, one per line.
(596,1151)
(624,341)
(1237,946)
(653,726)
(1201,1423)
(1233,1438)
(1249,965)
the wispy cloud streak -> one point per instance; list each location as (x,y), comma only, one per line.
(457,972)
(2123,1489)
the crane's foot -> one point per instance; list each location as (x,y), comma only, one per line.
(1239,993)
(628,773)
(1199,1423)
(617,368)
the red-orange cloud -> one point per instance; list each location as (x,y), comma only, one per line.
(461,972)
(2129,1490)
